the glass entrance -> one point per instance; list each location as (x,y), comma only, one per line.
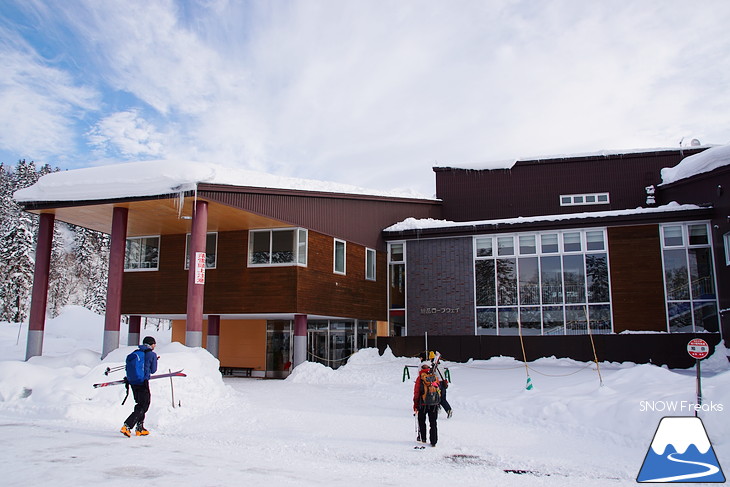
(317,342)
(278,348)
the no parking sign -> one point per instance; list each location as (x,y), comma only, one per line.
(698,348)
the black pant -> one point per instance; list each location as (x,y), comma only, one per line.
(432,412)
(142,399)
(444,403)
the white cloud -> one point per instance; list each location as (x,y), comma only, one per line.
(39,104)
(127,134)
(374,93)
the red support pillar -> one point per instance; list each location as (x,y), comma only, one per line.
(39,296)
(196,276)
(300,340)
(135,325)
(113,313)
(214,331)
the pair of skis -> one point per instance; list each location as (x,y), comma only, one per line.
(170,374)
(119,382)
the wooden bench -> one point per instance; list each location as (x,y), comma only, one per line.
(236,371)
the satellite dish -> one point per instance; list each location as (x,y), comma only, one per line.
(695,143)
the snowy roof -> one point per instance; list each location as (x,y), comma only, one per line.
(150,178)
(702,162)
(426,223)
(509,163)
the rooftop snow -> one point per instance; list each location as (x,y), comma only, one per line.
(509,163)
(705,161)
(149,178)
(422,224)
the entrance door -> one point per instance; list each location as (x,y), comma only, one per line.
(278,349)
(317,343)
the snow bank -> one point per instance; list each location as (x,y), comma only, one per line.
(62,386)
(706,161)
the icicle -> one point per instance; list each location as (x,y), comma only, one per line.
(180,203)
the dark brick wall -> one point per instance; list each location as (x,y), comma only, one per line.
(440,286)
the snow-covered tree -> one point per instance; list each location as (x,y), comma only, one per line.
(79,257)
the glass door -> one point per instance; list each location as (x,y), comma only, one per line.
(278,349)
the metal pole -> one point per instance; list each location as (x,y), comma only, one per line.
(699,387)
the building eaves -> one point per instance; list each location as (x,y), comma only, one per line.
(550,222)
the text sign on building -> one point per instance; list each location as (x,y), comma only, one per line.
(698,348)
(199,267)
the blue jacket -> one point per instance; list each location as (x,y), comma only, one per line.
(150,361)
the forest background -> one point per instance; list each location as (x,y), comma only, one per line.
(79,259)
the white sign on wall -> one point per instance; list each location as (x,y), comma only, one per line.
(199,267)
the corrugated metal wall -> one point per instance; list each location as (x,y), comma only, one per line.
(356,219)
(534,187)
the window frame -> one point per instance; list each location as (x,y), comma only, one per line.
(548,244)
(371,255)
(691,301)
(581,199)
(296,247)
(143,269)
(335,242)
(186,265)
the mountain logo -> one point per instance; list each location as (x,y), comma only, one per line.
(680,452)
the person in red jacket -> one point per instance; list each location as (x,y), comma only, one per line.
(423,409)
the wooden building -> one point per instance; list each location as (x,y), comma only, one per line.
(279,275)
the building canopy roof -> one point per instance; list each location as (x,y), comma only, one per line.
(162,177)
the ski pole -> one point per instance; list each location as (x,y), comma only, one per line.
(172,391)
(113,369)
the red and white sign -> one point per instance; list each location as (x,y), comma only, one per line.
(199,267)
(698,348)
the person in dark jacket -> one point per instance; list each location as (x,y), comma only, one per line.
(423,410)
(141,391)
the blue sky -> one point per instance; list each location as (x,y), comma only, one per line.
(372,93)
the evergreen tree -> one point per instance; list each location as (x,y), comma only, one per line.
(79,257)
(16,248)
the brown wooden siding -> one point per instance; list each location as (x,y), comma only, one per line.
(637,283)
(323,292)
(234,288)
(159,292)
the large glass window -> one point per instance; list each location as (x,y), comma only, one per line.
(547,283)
(142,254)
(277,247)
(211,250)
(689,278)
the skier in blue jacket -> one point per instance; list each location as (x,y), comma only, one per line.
(141,391)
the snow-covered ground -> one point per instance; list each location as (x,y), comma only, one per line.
(353,426)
